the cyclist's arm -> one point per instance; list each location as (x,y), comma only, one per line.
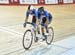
(27,15)
(26,19)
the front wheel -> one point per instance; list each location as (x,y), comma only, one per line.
(50,36)
(27,39)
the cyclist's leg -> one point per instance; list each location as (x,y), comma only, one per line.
(35,24)
(46,25)
(48,21)
(42,25)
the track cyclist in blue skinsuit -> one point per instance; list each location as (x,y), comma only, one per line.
(34,13)
(45,18)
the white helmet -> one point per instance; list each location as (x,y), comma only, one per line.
(30,7)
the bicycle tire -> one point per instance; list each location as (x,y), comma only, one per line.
(50,41)
(24,40)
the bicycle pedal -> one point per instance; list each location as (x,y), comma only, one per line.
(45,37)
(46,34)
(36,39)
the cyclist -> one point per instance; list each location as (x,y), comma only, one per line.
(45,18)
(34,13)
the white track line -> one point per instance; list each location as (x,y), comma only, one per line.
(10,31)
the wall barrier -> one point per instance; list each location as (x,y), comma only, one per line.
(73,1)
(35,2)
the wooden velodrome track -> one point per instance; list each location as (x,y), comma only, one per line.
(11,26)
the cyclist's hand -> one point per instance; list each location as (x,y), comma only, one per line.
(24,24)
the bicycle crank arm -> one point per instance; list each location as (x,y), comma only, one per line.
(40,37)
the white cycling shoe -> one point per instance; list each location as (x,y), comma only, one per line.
(46,34)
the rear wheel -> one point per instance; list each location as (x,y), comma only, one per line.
(50,36)
(27,39)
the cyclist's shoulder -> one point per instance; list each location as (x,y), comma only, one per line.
(46,11)
(35,10)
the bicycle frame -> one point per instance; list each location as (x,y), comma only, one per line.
(33,37)
(31,28)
